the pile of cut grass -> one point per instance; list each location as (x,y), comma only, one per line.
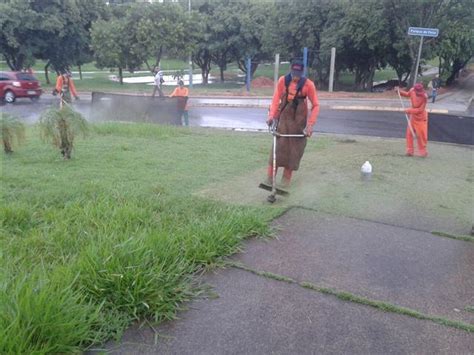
(115,235)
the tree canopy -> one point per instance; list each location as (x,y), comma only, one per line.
(125,34)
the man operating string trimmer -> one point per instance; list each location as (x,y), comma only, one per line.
(289,115)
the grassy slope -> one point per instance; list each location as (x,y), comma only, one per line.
(114,235)
(89,245)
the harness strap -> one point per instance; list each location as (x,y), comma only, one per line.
(299,86)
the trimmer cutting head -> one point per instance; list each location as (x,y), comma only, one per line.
(278,191)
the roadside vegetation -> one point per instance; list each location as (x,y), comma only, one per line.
(116,234)
(12,132)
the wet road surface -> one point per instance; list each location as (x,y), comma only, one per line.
(442,127)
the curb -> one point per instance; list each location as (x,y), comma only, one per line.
(380,108)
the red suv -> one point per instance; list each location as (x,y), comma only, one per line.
(18,84)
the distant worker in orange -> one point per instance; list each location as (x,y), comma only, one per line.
(65,87)
(290,108)
(182,93)
(418,119)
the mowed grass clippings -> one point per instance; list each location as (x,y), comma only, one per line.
(90,245)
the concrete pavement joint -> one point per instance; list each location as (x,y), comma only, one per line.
(350,297)
(464,238)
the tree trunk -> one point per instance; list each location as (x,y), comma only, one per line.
(370,81)
(221,68)
(80,72)
(66,145)
(456,67)
(120,75)
(205,75)
(7,146)
(46,75)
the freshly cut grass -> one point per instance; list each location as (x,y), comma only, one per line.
(114,235)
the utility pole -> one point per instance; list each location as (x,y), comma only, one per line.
(276,70)
(190,54)
(249,73)
(305,61)
(331,69)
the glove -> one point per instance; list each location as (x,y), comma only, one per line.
(308,131)
(76,97)
(55,92)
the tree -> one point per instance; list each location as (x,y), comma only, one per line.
(455,44)
(60,126)
(19,25)
(111,47)
(157,28)
(291,28)
(201,54)
(252,18)
(421,13)
(56,31)
(225,31)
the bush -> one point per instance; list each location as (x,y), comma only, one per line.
(61,126)
(11,128)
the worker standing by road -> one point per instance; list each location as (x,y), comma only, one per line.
(418,119)
(182,94)
(289,109)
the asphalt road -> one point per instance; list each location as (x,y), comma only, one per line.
(442,127)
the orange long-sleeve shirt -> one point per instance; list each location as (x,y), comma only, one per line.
(308,90)
(418,105)
(59,85)
(184,92)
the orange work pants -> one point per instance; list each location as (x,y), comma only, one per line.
(421,131)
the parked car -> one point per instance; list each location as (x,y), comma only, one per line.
(19,84)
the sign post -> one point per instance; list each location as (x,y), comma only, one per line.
(422,32)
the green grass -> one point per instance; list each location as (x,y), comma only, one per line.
(90,245)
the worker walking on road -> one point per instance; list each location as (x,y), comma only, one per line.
(65,87)
(434,85)
(158,78)
(290,108)
(418,119)
(182,93)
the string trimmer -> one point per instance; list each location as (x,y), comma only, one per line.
(275,190)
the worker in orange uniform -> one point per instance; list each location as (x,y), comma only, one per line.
(65,87)
(182,94)
(418,119)
(290,108)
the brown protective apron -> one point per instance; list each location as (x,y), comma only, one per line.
(293,116)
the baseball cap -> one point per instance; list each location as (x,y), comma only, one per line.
(297,67)
(418,87)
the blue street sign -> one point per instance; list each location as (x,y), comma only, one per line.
(424,32)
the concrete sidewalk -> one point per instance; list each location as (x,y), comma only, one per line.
(328,285)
